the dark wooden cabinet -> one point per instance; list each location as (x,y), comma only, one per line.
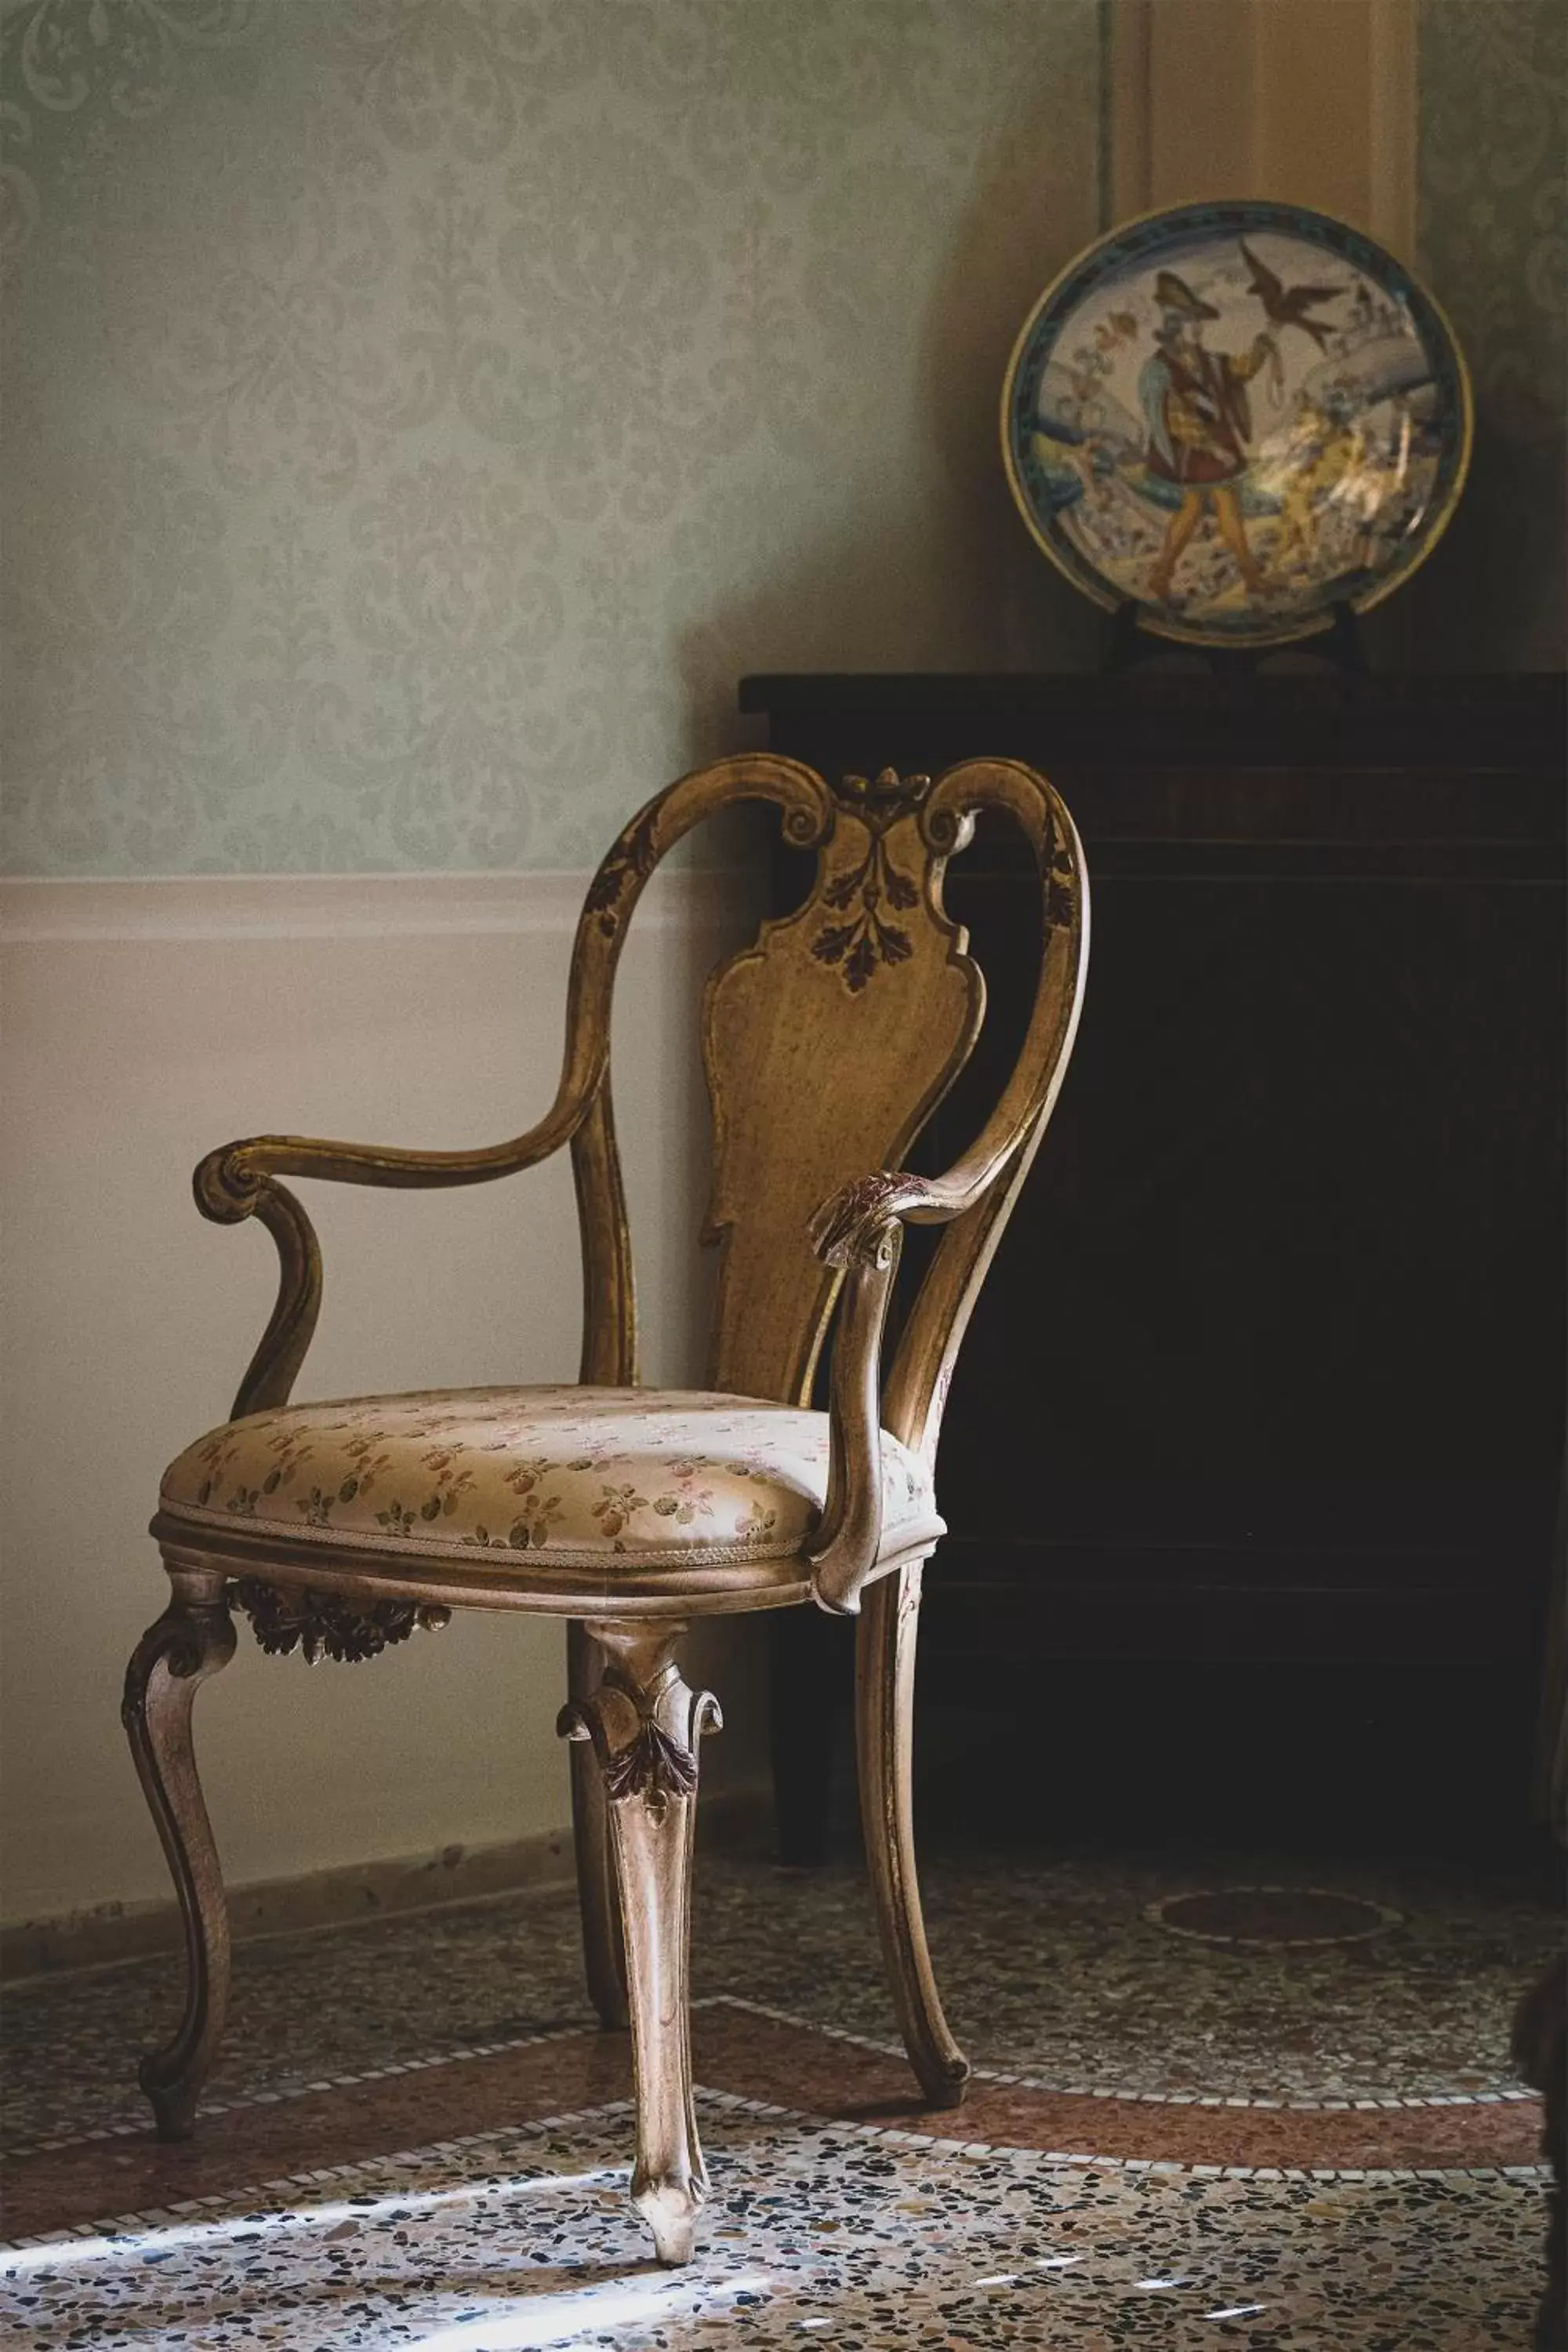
(1271,1363)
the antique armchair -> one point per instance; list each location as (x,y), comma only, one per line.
(339,1527)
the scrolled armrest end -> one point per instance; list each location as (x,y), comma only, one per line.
(228,1185)
(859,1225)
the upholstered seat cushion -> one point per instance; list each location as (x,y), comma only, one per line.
(564,1476)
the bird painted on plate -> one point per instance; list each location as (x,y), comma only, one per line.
(1287,306)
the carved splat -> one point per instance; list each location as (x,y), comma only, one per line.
(827,1045)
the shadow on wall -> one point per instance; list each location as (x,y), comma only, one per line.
(1491,596)
(1492,131)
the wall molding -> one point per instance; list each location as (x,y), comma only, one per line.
(1311,103)
(340,905)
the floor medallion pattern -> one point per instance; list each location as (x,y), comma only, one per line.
(1273,1919)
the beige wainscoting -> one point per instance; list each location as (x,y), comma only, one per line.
(145,1021)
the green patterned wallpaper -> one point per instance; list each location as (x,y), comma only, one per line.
(419,413)
(1492,230)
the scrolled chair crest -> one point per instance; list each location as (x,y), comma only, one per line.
(880,800)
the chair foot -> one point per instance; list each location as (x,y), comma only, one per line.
(193,1639)
(174,2110)
(884,1723)
(644,1724)
(671,2211)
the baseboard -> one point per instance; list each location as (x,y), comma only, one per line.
(731,1820)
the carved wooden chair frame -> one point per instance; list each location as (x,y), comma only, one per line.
(634,1722)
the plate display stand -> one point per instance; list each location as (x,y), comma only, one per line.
(1129,645)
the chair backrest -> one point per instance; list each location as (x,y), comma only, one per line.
(827,1043)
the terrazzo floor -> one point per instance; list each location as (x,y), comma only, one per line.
(1199,2116)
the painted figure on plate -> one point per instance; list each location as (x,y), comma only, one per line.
(1200,421)
(1239,430)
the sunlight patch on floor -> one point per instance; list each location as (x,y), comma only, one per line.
(154,2245)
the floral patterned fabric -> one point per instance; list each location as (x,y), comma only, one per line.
(665,1476)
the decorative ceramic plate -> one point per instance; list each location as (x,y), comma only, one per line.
(1236,416)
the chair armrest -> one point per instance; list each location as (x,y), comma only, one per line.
(860,1228)
(239,1181)
(847,1229)
(228,1180)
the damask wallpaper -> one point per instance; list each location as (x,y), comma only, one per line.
(1492,217)
(420,412)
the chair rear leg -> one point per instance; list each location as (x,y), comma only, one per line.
(644,1723)
(193,1637)
(884,1723)
(603,1947)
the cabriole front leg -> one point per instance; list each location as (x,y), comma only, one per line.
(193,1637)
(645,1723)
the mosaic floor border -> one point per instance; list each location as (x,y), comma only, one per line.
(778,2062)
(133,2126)
(1509,2095)
(1054,1978)
(133,2123)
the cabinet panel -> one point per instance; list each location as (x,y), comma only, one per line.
(1270,1363)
